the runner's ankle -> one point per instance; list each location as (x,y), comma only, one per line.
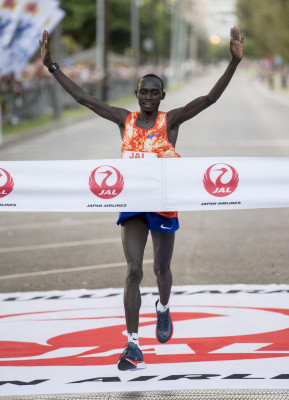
(133,337)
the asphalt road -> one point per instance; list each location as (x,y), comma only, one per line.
(45,251)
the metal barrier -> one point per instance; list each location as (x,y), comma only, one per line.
(32,103)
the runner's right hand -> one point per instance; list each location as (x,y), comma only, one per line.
(45,52)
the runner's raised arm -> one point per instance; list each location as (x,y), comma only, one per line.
(182,114)
(114,114)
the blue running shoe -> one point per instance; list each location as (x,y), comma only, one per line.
(131,359)
(164,325)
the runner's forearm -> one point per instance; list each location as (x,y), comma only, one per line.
(71,87)
(223,82)
(114,114)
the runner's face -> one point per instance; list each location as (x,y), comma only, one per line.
(149,94)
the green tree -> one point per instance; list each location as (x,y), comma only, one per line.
(155,24)
(79,22)
(79,26)
(266,27)
(119,25)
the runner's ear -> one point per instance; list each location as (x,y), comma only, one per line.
(164,95)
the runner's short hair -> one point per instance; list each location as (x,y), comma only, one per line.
(152,76)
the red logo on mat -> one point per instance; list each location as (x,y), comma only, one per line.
(221,180)
(201,333)
(106,182)
(6,183)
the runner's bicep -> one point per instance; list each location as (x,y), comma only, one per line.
(182,114)
(104,110)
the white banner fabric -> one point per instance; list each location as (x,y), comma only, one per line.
(134,185)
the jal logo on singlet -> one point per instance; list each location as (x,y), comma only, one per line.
(6,183)
(106,182)
(138,154)
(221,180)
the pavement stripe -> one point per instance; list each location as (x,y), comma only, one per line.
(60,245)
(57,223)
(65,270)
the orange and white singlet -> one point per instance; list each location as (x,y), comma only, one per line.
(142,143)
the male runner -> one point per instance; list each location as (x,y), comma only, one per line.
(152,133)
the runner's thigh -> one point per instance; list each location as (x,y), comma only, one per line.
(134,233)
(163,245)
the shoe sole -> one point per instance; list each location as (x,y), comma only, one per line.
(129,365)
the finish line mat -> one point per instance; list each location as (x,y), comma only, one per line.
(225,337)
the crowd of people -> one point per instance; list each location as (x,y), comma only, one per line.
(18,95)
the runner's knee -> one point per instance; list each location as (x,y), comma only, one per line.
(134,274)
(161,270)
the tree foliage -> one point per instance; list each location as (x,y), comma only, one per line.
(266,27)
(79,22)
(79,25)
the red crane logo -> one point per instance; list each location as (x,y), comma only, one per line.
(221,184)
(8,185)
(106,187)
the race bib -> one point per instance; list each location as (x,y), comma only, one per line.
(138,154)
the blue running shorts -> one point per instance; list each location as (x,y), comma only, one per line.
(155,222)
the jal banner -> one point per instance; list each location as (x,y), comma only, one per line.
(226,337)
(144,184)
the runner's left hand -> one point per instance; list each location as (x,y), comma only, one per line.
(237,44)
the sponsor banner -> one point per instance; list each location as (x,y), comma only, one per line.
(101,185)
(53,16)
(227,183)
(10,11)
(34,16)
(144,184)
(225,337)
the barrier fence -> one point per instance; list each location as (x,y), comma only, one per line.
(22,103)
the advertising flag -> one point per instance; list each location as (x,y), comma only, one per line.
(10,11)
(34,16)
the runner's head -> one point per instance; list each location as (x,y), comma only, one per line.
(152,76)
(150,92)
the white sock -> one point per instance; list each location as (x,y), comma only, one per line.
(133,337)
(161,307)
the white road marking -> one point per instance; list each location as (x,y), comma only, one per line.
(65,270)
(58,224)
(60,245)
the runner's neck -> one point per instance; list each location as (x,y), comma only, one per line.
(146,120)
